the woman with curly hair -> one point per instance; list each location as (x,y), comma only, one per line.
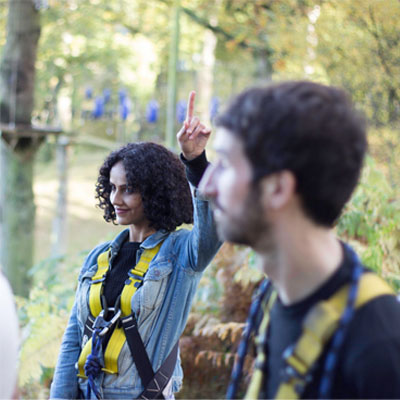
(134,293)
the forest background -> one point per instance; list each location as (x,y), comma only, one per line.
(113,71)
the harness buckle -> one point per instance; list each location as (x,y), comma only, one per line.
(295,370)
(101,323)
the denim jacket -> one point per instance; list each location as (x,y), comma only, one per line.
(161,306)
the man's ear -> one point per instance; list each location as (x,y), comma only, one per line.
(278,189)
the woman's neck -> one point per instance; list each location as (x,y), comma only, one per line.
(139,234)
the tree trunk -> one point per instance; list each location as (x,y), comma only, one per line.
(18,218)
(206,74)
(17,71)
(172,76)
(264,69)
(17,76)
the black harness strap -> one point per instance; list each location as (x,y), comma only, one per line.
(88,329)
(156,386)
(137,349)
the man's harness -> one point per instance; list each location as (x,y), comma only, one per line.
(123,322)
(319,325)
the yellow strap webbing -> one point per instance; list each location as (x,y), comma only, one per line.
(113,350)
(117,338)
(140,269)
(87,349)
(97,283)
(319,325)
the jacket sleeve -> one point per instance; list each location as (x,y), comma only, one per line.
(202,243)
(65,381)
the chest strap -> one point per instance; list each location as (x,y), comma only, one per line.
(318,327)
(118,337)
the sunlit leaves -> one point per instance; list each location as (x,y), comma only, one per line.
(371,222)
(359,46)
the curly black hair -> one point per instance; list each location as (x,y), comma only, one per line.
(158,175)
(310,129)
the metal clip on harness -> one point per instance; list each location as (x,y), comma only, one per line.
(101,323)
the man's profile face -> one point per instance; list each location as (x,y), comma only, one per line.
(229,185)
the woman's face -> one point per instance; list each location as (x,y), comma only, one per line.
(127,203)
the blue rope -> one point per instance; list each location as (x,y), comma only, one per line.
(337,341)
(244,343)
(93,365)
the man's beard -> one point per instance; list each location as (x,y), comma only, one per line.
(249,228)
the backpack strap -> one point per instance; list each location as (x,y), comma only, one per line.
(257,379)
(318,327)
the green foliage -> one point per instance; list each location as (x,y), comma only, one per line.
(357,40)
(43,318)
(250,272)
(371,222)
(209,292)
(120,43)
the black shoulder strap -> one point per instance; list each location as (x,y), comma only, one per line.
(137,349)
(154,383)
(156,386)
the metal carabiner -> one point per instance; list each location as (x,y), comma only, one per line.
(100,321)
(112,321)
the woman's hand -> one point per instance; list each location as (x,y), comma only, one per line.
(193,136)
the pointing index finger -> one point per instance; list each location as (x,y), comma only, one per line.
(190,107)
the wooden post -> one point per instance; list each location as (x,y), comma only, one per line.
(172,72)
(59,234)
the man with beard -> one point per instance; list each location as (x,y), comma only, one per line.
(289,158)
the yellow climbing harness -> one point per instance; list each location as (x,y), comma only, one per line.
(117,338)
(318,327)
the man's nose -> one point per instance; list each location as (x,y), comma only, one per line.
(207,185)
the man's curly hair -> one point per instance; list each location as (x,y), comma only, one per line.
(158,175)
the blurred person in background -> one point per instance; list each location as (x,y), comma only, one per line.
(289,158)
(9,342)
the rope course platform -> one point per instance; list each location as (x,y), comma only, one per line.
(12,134)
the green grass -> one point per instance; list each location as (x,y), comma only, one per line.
(85,225)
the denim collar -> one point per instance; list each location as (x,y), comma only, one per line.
(154,239)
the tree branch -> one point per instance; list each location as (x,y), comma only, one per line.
(227,36)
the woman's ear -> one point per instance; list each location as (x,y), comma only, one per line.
(278,189)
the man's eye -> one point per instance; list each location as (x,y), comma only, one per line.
(129,189)
(112,188)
